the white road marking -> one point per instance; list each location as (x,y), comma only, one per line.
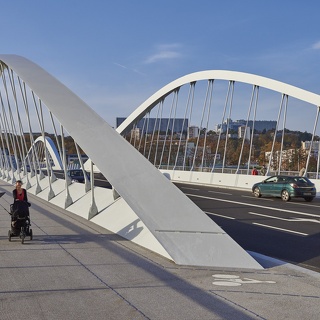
(281,229)
(263,199)
(267,216)
(190,188)
(306,220)
(285,219)
(256,205)
(305,204)
(230,280)
(219,215)
(228,194)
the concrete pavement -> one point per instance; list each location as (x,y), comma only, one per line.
(74,269)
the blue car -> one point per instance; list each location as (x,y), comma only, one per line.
(285,187)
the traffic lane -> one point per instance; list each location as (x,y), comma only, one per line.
(247,197)
(290,221)
(302,219)
(285,246)
(256,232)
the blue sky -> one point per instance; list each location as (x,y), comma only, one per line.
(115,54)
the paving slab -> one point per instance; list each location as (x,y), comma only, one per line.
(74,269)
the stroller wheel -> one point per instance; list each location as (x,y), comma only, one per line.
(30,233)
(9,235)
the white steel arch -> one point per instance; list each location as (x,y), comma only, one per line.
(186,233)
(54,154)
(248,78)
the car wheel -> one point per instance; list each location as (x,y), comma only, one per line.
(285,196)
(256,192)
(308,199)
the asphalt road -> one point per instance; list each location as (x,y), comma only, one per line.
(289,231)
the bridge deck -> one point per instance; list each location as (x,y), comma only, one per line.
(73,269)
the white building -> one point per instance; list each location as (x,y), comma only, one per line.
(315,145)
(135,134)
(193,132)
(242,131)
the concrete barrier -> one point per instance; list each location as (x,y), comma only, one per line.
(222,180)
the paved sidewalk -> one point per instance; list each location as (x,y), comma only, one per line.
(74,269)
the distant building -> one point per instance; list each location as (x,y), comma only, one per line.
(232,135)
(242,131)
(148,125)
(193,132)
(135,134)
(287,158)
(306,145)
(259,125)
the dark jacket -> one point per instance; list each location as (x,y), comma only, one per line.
(14,193)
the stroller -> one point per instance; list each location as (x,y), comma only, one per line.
(20,221)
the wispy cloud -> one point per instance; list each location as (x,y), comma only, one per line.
(165,52)
(130,69)
(316,46)
(120,65)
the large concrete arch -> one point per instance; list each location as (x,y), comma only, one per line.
(185,232)
(248,78)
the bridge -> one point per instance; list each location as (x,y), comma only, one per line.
(144,206)
(75,269)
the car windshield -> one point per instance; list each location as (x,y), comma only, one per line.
(271,180)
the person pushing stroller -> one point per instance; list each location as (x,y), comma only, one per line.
(20,217)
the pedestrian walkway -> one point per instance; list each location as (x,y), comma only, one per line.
(74,269)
